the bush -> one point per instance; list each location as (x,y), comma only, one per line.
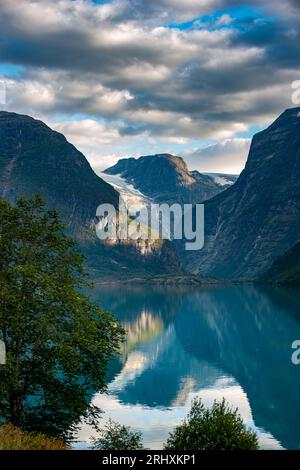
(218,428)
(12,438)
(114,436)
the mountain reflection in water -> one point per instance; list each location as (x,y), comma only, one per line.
(232,342)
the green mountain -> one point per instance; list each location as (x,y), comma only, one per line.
(36,159)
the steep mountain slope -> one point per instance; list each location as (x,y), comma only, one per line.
(166,178)
(251,224)
(35,159)
(286,269)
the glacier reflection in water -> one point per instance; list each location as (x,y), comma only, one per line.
(232,342)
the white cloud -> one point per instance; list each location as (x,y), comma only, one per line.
(88,133)
(120,61)
(228,156)
(101,143)
(60,91)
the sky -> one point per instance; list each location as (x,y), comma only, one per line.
(120,78)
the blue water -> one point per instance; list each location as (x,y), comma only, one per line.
(232,342)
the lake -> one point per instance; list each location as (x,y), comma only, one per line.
(233,342)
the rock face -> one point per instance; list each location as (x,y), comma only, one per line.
(37,160)
(251,224)
(166,178)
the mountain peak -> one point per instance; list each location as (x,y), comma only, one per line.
(269,147)
(293,112)
(165,178)
(171,166)
(8,116)
(37,159)
(256,220)
(289,116)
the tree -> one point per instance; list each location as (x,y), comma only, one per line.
(114,436)
(58,343)
(218,428)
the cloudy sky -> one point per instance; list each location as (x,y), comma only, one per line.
(119,78)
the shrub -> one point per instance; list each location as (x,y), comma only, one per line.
(218,428)
(114,436)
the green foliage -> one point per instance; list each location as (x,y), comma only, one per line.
(114,436)
(12,438)
(218,428)
(286,269)
(58,342)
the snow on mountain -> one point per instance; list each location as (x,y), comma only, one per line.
(222,179)
(132,197)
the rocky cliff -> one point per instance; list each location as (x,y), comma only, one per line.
(251,224)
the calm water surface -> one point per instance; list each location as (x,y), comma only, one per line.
(232,342)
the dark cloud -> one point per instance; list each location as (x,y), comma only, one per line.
(120,61)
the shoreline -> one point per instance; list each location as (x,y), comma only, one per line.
(184,280)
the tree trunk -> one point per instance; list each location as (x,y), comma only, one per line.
(16,406)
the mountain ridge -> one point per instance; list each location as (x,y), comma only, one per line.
(166,178)
(251,224)
(34,159)
(24,139)
(247,227)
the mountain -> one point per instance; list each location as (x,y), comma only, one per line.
(36,159)
(194,341)
(286,269)
(255,221)
(166,178)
